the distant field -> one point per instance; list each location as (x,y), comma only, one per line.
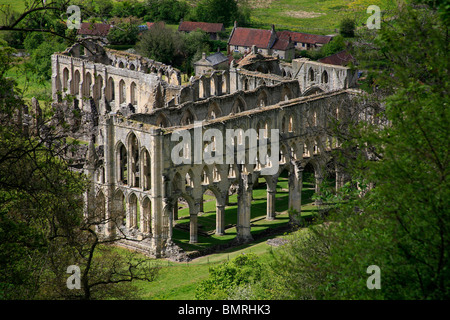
(16,5)
(318,16)
(314,16)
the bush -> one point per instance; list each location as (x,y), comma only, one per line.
(347,27)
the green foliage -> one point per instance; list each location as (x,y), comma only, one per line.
(334,46)
(161,44)
(401,223)
(227,277)
(170,11)
(347,27)
(40,59)
(125,31)
(221,11)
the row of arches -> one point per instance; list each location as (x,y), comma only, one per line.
(133,164)
(317,78)
(215,111)
(227,213)
(126,212)
(92,86)
(214,85)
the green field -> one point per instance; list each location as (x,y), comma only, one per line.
(178,281)
(321,16)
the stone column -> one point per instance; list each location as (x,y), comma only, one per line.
(110,180)
(193,221)
(175,210)
(295,191)
(271,205)
(156,153)
(220,220)
(244,208)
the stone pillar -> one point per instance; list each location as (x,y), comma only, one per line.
(193,221)
(319,180)
(175,210)
(244,208)
(271,205)
(110,181)
(295,191)
(156,154)
(220,220)
(193,224)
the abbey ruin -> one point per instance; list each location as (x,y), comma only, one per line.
(130,107)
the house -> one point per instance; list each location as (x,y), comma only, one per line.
(213,29)
(305,41)
(342,58)
(266,41)
(94,30)
(153,24)
(216,61)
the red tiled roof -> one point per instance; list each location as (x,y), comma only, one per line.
(94,29)
(340,59)
(246,37)
(151,24)
(304,37)
(281,44)
(188,26)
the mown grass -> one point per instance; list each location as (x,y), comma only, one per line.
(178,281)
(207,220)
(29,86)
(321,16)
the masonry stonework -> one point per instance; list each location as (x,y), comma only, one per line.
(130,107)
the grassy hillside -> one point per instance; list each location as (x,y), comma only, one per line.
(319,16)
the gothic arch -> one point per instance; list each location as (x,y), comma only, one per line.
(121,163)
(110,90)
(187,118)
(162,121)
(146,215)
(214,111)
(65,82)
(311,74)
(238,106)
(262,99)
(133,155)
(122,92)
(286,94)
(145,169)
(325,76)
(133,93)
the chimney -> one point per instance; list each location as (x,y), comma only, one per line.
(273,29)
(235,24)
(203,55)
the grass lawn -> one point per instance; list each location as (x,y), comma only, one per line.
(30,87)
(321,17)
(207,221)
(178,281)
(16,5)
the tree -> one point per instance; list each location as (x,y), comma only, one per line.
(161,44)
(171,11)
(396,216)
(347,28)
(125,31)
(218,11)
(43,228)
(334,46)
(229,277)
